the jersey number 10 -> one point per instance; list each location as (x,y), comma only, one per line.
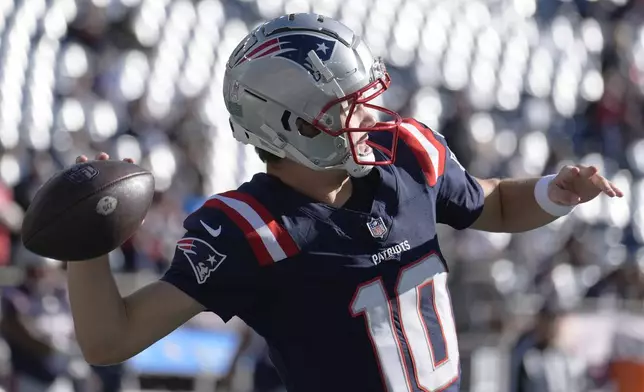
(414,310)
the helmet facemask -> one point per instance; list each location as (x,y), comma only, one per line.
(337,119)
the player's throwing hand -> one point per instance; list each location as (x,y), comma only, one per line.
(579,184)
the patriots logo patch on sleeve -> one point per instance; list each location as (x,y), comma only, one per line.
(203,258)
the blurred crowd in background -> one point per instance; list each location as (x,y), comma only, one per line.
(518,88)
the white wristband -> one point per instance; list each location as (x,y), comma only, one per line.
(549,206)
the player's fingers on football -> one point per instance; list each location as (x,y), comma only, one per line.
(102,156)
(130,160)
(81,159)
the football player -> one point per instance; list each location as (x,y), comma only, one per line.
(332,254)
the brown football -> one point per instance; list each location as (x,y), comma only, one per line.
(87,210)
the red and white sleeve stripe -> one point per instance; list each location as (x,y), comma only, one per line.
(428,150)
(267,238)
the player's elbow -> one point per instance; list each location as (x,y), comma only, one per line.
(104,355)
(101,359)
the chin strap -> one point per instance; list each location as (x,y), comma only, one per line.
(355,169)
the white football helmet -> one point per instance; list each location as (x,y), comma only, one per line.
(315,68)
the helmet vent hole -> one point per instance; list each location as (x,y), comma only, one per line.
(307,130)
(252,94)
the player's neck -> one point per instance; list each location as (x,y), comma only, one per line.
(332,187)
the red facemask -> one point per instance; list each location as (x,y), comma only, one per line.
(356,136)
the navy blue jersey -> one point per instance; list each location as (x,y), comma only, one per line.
(348,299)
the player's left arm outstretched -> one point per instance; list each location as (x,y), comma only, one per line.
(503,205)
(516,205)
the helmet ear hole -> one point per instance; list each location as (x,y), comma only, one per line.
(306,129)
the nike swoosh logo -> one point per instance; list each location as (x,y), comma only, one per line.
(210,230)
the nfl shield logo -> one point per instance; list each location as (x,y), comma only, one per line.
(377,227)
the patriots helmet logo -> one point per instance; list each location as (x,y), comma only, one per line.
(203,258)
(294,47)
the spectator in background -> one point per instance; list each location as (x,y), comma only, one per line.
(625,282)
(36,324)
(537,365)
(108,378)
(265,375)
(11,215)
